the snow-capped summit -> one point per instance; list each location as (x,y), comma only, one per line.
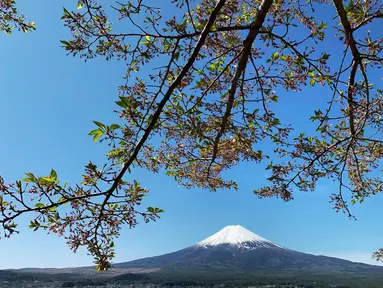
(236,235)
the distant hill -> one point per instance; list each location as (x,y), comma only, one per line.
(131,277)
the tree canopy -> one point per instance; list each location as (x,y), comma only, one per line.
(10,18)
(217,70)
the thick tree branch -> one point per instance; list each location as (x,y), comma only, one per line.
(161,105)
(246,51)
(348,31)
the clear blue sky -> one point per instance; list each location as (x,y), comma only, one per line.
(47,102)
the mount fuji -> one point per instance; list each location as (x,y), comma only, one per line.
(233,255)
(235,247)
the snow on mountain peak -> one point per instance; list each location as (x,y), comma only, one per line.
(236,235)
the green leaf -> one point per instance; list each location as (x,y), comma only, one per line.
(121,104)
(213,67)
(322,129)
(53,209)
(39,205)
(97,133)
(177,55)
(66,43)
(275,55)
(312,82)
(274,98)
(99,124)
(79,5)
(31,177)
(124,102)
(34,224)
(147,42)
(199,26)
(275,122)
(53,174)
(158,210)
(322,25)
(46,180)
(66,14)
(114,127)
(325,56)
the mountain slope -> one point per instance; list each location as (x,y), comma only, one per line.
(236,247)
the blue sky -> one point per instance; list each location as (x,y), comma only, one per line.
(47,102)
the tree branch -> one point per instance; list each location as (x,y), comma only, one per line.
(161,105)
(246,51)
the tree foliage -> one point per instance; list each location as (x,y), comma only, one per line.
(201,84)
(10,18)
